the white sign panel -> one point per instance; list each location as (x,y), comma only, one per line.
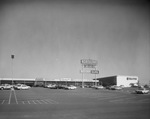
(84,71)
(94,71)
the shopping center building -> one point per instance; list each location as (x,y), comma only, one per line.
(119,80)
(43,81)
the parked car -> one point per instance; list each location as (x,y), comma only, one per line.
(52,86)
(107,87)
(122,86)
(70,87)
(87,86)
(114,87)
(61,86)
(142,91)
(6,87)
(93,86)
(134,85)
(21,87)
(48,86)
(15,86)
(1,87)
(98,87)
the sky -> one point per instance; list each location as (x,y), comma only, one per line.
(50,37)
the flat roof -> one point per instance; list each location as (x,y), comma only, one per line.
(62,79)
(17,79)
(118,76)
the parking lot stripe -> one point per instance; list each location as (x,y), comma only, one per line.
(51,101)
(23,102)
(10,97)
(3,102)
(15,96)
(29,102)
(38,101)
(44,101)
(33,101)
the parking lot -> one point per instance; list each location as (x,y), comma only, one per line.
(86,103)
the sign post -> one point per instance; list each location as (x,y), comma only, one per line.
(95,72)
(88,63)
(95,78)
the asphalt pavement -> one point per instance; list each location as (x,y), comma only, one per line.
(87,103)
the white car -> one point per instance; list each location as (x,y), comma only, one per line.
(6,87)
(142,91)
(71,87)
(114,87)
(22,87)
(52,86)
(48,85)
(99,87)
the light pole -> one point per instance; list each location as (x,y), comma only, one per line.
(12,57)
(82,76)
